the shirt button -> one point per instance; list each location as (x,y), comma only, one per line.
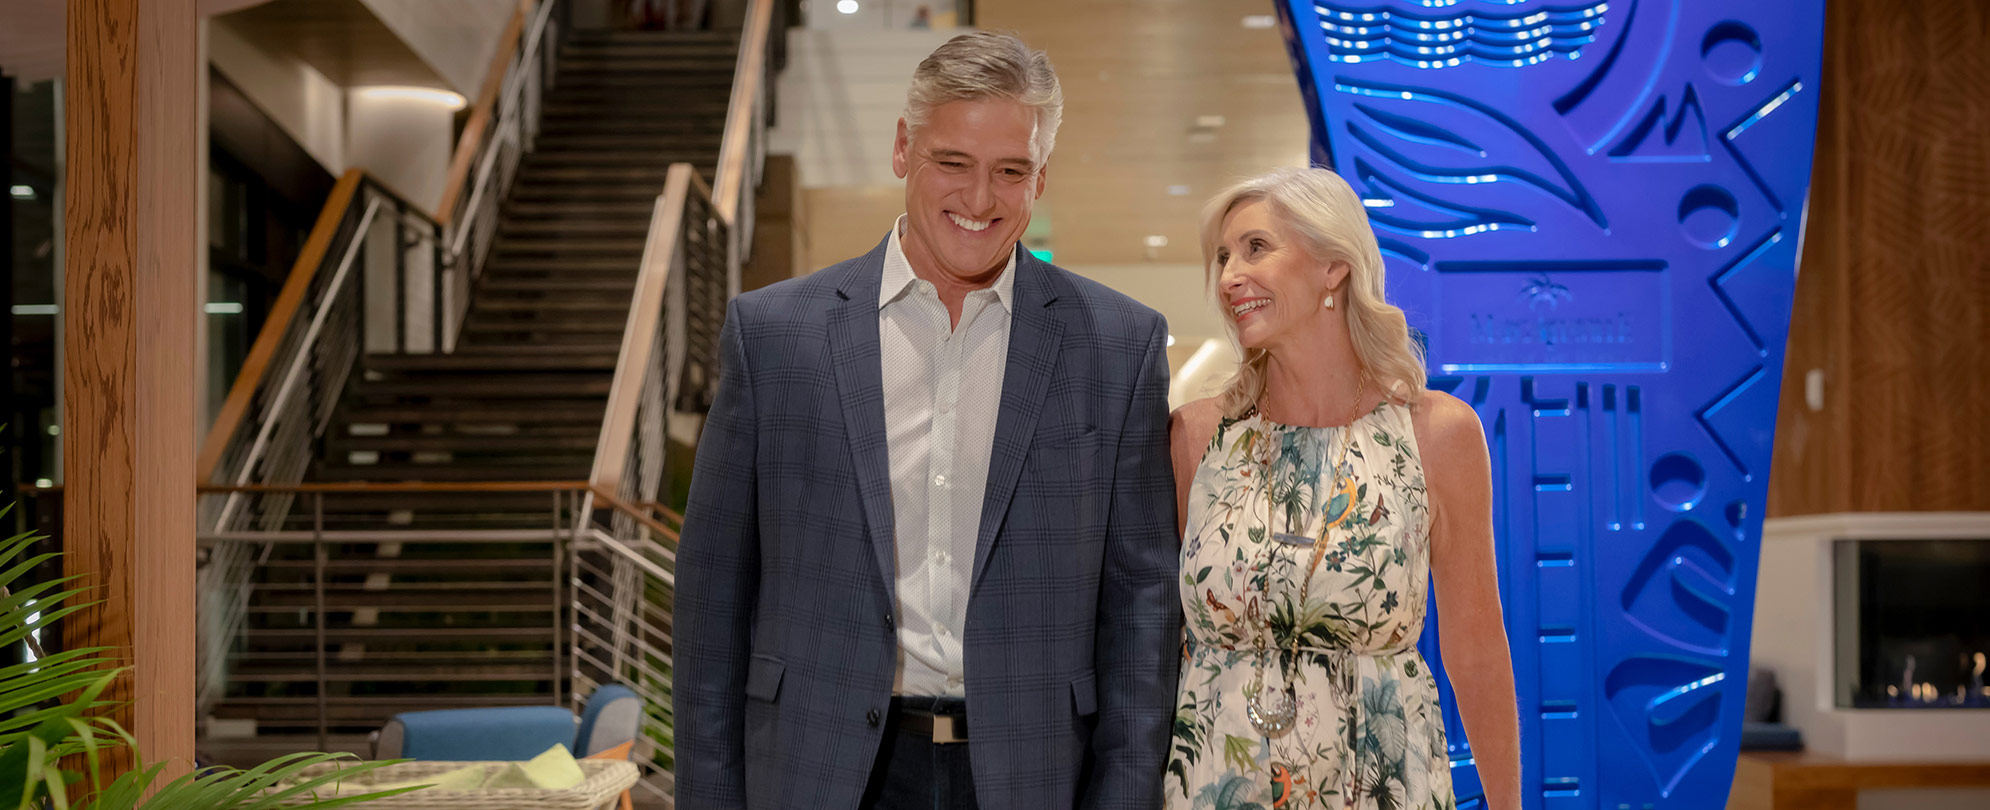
(940,480)
(871,717)
(954,681)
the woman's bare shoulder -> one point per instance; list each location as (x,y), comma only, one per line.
(1190,430)
(1192,426)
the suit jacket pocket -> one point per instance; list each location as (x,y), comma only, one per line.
(763,678)
(1085,694)
(1064,464)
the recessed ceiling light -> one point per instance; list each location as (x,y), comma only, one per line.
(1202,136)
(1171,341)
(847,6)
(224,308)
(1259,21)
(23,192)
(440,98)
(1178,190)
(1157,241)
(1209,121)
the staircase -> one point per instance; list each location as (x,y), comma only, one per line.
(521,398)
(420,622)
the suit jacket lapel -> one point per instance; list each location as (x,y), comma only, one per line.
(853,350)
(1035,335)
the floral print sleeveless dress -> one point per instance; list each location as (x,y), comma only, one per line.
(1369,734)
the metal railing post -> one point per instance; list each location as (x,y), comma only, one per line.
(559,600)
(318,563)
(573,586)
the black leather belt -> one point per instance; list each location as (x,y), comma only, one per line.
(943,719)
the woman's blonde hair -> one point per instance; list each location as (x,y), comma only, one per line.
(1331,224)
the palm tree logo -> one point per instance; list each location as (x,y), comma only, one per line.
(1543,291)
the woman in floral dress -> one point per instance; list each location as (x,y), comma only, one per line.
(1321,490)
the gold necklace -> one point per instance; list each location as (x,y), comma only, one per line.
(1272,714)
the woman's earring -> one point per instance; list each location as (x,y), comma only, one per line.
(1330,301)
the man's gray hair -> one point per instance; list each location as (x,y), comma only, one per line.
(984,65)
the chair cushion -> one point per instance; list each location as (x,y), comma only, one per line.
(1770,737)
(613,715)
(499,733)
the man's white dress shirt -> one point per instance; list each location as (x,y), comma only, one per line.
(942,393)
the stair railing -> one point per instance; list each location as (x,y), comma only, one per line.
(369,251)
(306,527)
(622,585)
(743,151)
(502,129)
(624,560)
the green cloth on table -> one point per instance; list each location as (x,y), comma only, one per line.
(553,770)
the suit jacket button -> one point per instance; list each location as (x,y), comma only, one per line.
(887,621)
(872,718)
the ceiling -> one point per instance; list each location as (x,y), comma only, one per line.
(343,39)
(1137,74)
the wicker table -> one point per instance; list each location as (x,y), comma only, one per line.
(602,789)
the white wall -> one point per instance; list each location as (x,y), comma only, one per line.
(879,15)
(1176,291)
(305,104)
(403,141)
(840,99)
(456,37)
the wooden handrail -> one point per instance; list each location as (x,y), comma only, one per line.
(618,421)
(674,516)
(401,486)
(736,148)
(256,366)
(472,140)
(608,498)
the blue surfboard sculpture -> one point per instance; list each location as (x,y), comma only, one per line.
(1591,210)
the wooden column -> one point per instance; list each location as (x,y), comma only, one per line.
(131,101)
(1893,299)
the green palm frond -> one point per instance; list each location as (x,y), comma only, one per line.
(50,715)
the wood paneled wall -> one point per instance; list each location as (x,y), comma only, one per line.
(133,79)
(1893,301)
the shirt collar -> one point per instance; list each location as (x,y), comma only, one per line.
(898,275)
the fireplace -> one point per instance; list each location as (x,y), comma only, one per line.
(1912,623)
(1874,624)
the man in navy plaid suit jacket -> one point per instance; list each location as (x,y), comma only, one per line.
(929,555)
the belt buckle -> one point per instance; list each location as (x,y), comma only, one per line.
(948,729)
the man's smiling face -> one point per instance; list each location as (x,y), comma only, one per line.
(970,183)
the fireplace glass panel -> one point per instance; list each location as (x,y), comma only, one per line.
(1913,623)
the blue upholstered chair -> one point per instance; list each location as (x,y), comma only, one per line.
(611,717)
